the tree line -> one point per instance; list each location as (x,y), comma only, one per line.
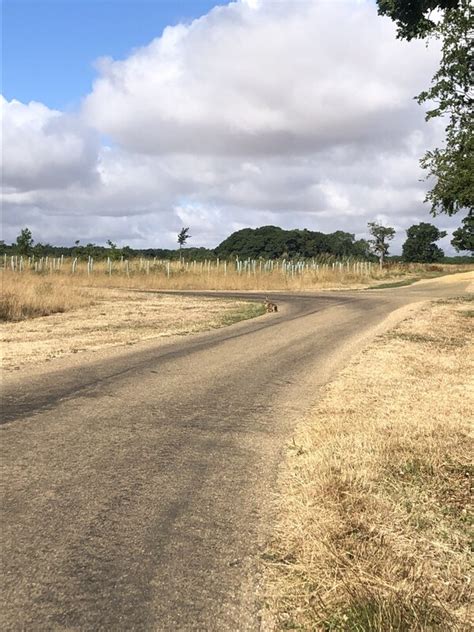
(272,242)
(25,245)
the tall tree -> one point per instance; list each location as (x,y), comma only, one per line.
(24,241)
(114,252)
(463,237)
(183,237)
(381,235)
(451,92)
(420,244)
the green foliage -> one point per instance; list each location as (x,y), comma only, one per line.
(451,91)
(183,236)
(381,235)
(248,243)
(272,242)
(268,242)
(420,246)
(114,252)
(463,237)
(458,260)
(24,242)
(452,165)
(413,17)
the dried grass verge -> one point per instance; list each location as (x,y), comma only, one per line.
(373,517)
(22,298)
(29,296)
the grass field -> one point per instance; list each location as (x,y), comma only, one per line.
(373,526)
(28,295)
(35,288)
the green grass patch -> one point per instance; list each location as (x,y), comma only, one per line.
(429,274)
(398,615)
(243,312)
(403,282)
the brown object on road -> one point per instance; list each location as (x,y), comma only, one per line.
(269,306)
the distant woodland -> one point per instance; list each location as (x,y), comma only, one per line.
(267,242)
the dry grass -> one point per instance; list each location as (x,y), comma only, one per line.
(147,274)
(29,295)
(98,318)
(373,523)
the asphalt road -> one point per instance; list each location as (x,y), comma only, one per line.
(136,488)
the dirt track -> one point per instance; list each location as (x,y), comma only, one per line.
(135,486)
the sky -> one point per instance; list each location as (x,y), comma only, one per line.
(128,119)
(50,46)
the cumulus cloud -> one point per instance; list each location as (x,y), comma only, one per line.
(299,114)
(45,149)
(268,78)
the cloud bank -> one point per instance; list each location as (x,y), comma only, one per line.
(299,114)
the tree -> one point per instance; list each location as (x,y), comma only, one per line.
(24,241)
(183,237)
(381,235)
(451,92)
(463,237)
(115,253)
(420,246)
(272,242)
(341,243)
(413,18)
(76,250)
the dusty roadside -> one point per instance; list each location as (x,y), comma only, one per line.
(114,318)
(373,509)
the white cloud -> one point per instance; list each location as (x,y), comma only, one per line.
(299,114)
(43,148)
(280,78)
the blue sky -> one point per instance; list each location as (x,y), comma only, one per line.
(49,46)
